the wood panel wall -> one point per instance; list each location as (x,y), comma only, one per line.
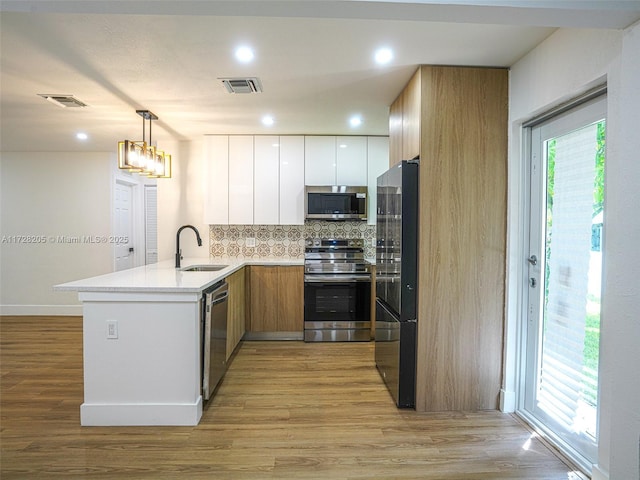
(463,171)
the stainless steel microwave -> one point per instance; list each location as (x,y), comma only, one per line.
(335,202)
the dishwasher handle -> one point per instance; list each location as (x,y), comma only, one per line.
(220,298)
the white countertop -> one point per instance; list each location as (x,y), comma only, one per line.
(164,277)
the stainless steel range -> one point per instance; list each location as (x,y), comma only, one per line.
(337,291)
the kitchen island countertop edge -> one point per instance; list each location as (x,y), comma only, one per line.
(166,278)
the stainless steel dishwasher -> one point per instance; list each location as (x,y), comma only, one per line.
(215,337)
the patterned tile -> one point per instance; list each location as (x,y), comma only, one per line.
(282,241)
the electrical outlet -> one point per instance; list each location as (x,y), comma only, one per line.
(112,329)
(373,242)
(251,241)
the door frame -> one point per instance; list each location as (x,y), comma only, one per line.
(516,269)
(137,203)
(516,275)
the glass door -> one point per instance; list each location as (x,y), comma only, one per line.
(564,273)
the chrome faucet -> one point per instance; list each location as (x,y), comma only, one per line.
(178,251)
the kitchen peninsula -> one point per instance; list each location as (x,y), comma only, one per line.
(142,341)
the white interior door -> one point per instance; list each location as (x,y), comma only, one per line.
(564,273)
(123,226)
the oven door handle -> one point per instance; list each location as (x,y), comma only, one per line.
(336,278)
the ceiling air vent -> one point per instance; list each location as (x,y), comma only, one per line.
(64,101)
(242,85)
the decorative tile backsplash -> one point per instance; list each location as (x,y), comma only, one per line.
(277,241)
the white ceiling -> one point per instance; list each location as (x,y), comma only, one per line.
(314,58)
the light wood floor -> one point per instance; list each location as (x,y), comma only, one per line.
(285,410)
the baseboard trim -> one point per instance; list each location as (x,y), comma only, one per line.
(44,310)
(273,336)
(507,401)
(598,474)
(104,415)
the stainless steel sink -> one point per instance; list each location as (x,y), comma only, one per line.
(204,268)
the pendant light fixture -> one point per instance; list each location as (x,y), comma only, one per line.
(141,157)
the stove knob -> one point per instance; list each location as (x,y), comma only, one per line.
(308,242)
(316,242)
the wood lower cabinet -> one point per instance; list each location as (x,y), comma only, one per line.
(237,312)
(290,299)
(276,299)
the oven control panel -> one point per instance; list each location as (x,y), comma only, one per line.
(335,242)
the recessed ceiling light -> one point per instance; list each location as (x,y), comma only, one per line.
(268,120)
(383,56)
(355,121)
(81,136)
(244,54)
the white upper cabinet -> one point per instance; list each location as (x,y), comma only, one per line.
(292,180)
(266,188)
(216,179)
(241,180)
(320,160)
(260,180)
(330,160)
(351,161)
(378,163)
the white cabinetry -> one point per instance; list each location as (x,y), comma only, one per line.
(266,186)
(260,179)
(378,163)
(320,160)
(216,179)
(254,180)
(241,180)
(331,160)
(351,161)
(292,180)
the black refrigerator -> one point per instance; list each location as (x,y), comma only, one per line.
(397,280)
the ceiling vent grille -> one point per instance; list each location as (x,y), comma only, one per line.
(242,85)
(64,101)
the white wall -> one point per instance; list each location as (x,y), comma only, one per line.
(566,64)
(51,195)
(69,194)
(181,202)
(621,307)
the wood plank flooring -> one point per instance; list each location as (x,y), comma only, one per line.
(285,410)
